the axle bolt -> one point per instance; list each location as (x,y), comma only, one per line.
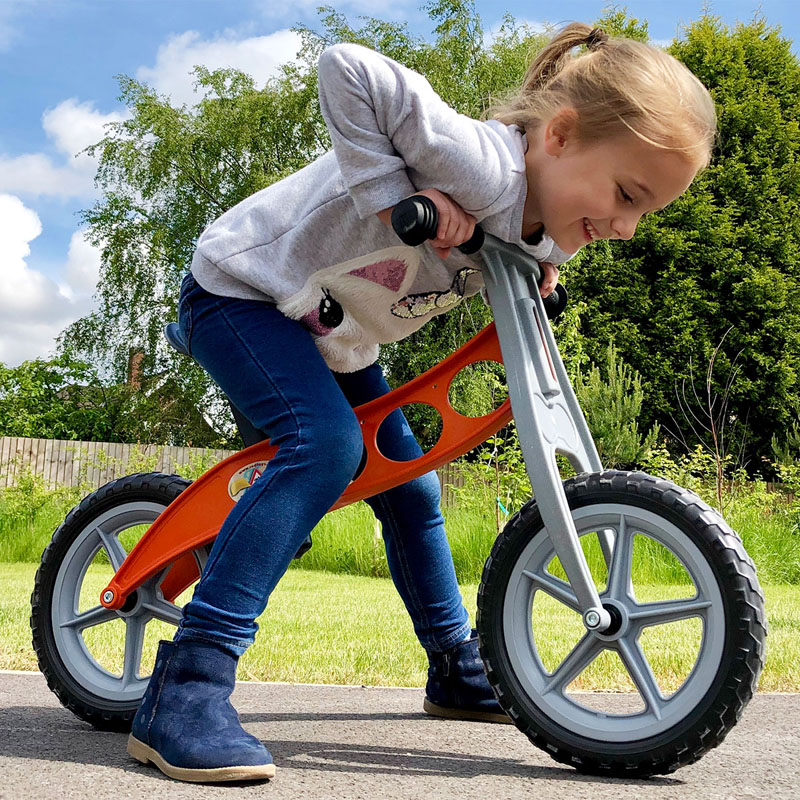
(591,619)
(108,596)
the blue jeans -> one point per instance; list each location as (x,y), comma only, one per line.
(271,369)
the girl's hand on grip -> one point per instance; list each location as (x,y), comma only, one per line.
(455,225)
(550,278)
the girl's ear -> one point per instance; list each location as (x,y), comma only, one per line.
(559,131)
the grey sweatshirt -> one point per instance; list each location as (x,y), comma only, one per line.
(312,244)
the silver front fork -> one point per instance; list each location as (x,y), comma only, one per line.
(546,411)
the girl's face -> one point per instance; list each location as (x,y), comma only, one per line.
(583,192)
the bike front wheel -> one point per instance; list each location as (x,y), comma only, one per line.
(685,649)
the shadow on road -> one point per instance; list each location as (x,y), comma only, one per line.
(53,734)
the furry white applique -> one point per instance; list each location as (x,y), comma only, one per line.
(347,306)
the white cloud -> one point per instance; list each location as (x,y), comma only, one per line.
(23,291)
(33,308)
(71,126)
(36,175)
(83,266)
(258,56)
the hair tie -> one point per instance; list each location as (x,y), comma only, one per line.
(595,38)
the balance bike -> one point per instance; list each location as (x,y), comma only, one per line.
(151,533)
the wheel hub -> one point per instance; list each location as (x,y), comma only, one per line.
(619,622)
(132,604)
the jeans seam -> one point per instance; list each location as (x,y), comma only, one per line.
(189,322)
(194,636)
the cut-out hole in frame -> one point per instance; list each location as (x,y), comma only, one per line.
(478,389)
(413,421)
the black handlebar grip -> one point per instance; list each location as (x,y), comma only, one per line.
(416,219)
(555,302)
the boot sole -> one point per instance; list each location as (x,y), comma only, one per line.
(460,713)
(257,772)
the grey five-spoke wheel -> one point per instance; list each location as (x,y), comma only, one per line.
(93,657)
(672,713)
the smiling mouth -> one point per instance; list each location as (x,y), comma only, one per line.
(591,232)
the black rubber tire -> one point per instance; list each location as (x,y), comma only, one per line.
(707,724)
(154,487)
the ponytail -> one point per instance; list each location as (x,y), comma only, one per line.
(558,52)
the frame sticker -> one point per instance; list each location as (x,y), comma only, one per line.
(244,478)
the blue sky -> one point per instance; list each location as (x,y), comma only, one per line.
(58,59)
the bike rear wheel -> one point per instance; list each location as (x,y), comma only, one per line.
(708,600)
(97,660)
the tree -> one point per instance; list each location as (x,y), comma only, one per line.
(65,399)
(48,399)
(165,174)
(706,415)
(611,397)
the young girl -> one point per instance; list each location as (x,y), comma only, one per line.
(292,290)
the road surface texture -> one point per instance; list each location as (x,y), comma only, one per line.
(353,742)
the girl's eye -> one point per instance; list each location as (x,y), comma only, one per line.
(625,196)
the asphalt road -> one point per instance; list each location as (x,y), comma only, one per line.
(355,742)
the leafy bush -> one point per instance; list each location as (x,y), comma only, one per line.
(611,398)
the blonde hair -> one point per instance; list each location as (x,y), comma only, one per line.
(617,84)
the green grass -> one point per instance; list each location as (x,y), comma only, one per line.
(344,629)
(345,541)
(28,519)
(771,538)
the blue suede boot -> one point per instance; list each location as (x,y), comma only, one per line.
(457,685)
(186,724)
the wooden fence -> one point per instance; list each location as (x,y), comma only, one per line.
(91,464)
(70,463)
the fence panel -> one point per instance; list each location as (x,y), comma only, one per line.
(5,449)
(69,463)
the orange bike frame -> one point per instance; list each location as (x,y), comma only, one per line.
(194,518)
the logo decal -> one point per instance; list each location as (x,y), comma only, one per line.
(244,478)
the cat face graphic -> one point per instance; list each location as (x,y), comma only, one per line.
(328,299)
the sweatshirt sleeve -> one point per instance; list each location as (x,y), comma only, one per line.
(557,256)
(393,135)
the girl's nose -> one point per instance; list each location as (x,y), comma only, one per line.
(625,226)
